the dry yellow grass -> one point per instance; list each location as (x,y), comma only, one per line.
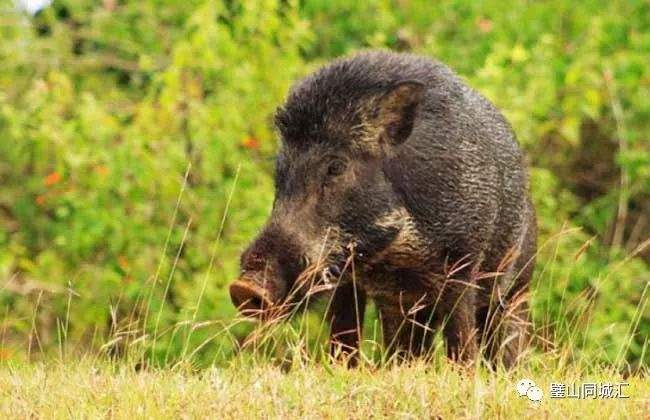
(91,389)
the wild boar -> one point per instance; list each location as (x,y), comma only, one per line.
(397,182)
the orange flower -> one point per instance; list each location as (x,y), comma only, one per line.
(101,170)
(40,199)
(123,262)
(251,143)
(5,353)
(52,179)
(484,25)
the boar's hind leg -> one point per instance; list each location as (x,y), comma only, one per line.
(508,339)
(346,312)
(506,322)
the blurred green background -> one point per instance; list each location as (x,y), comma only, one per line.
(105,106)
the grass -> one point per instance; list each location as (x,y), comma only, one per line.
(95,389)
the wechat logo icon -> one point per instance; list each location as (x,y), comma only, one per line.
(528,388)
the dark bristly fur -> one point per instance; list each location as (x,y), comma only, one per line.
(391,161)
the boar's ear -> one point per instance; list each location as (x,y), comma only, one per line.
(395,110)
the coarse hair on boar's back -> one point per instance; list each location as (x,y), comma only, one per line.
(397,182)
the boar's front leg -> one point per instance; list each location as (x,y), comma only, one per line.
(406,329)
(346,312)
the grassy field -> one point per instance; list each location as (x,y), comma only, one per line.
(90,389)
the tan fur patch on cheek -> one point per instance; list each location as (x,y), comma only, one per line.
(397,218)
(408,248)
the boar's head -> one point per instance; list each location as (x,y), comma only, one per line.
(332,187)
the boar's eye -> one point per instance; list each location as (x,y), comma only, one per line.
(335,168)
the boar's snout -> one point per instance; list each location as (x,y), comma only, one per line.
(249,298)
(270,266)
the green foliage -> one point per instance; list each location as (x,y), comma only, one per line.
(112,113)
